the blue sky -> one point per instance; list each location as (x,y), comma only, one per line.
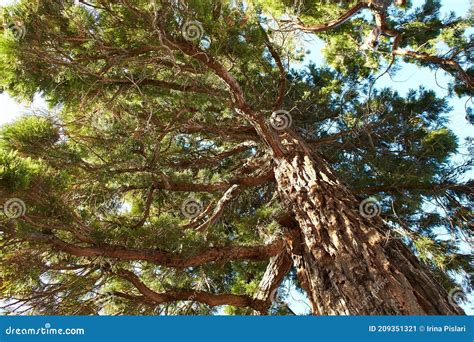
(412,77)
(409,77)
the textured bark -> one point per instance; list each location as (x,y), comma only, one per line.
(333,23)
(350,266)
(156,256)
(221,205)
(298,256)
(277,269)
(346,263)
(191,295)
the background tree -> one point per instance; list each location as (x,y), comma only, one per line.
(185,165)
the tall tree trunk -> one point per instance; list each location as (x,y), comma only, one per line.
(349,265)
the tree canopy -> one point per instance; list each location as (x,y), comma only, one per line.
(148,188)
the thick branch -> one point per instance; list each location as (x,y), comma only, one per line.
(228,197)
(191,187)
(233,133)
(448,64)
(168,85)
(242,107)
(214,160)
(333,23)
(282,79)
(163,258)
(296,247)
(379,8)
(251,181)
(190,295)
(277,269)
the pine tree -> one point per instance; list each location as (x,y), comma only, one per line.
(186,164)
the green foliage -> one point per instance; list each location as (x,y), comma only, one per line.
(138,127)
(16,172)
(29,134)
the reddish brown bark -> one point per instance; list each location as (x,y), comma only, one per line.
(156,256)
(276,271)
(191,295)
(346,263)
